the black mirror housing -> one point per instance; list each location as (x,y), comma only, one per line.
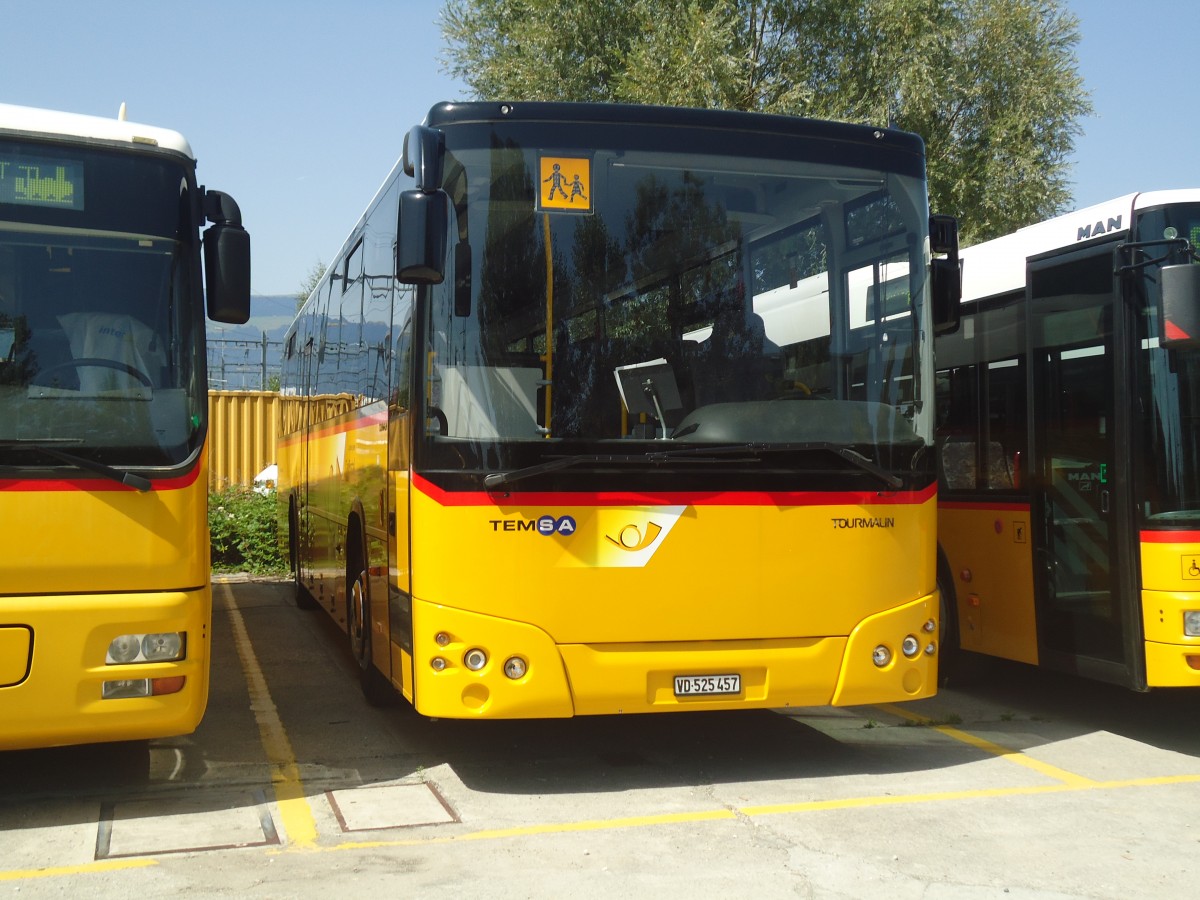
(1179,315)
(424,220)
(227,273)
(945,274)
(424,149)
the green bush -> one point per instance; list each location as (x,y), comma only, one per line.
(244,532)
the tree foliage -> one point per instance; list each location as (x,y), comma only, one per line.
(991,85)
(310,282)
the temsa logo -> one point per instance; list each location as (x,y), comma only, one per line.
(544,525)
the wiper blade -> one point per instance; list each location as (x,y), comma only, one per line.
(851,456)
(689,454)
(46,447)
(497,479)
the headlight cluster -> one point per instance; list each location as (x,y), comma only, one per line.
(910,646)
(476,659)
(129,649)
(140,648)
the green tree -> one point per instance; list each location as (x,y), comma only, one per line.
(310,282)
(991,85)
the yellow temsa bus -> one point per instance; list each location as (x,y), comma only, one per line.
(565,441)
(1069,514)
(105,603)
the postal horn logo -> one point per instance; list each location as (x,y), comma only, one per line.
(631,538)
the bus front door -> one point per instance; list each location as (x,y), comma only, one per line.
(1081,620)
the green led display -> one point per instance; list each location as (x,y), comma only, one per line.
(44,182)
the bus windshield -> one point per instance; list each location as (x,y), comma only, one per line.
(692,294)
(99,328)
(1170,465)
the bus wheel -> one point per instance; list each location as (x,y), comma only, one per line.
(358,625)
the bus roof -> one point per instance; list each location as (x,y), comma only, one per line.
(998,266)
(51,123)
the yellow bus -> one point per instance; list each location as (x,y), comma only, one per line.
(607,409)
(105,603)
(1069,513)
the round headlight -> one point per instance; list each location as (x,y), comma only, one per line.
(515,667)
(124,649)
(881,655)
(168,645)
(910,647)
(437,663)
(475,659)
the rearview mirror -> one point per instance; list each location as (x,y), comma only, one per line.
(1179,317)
(945,276)
(421,246)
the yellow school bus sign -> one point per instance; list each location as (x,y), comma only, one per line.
(566,184)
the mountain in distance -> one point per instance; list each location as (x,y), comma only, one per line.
(269,314)
(235,356)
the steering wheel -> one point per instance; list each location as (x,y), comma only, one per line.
(97,362)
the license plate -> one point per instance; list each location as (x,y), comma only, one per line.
(706,685)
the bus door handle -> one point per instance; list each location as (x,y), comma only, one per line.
(1104,503)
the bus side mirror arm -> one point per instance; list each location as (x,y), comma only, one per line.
(945,274)
(1179,306)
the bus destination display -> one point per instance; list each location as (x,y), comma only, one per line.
(44,182)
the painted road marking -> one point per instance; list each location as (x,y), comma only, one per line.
(298,820)
(82,869)
(1007,753)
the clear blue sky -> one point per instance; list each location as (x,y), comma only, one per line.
(298,109)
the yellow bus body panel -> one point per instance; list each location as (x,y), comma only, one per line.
(1170,587)
(606,600)
(989,552)
(58,701)
(84,562)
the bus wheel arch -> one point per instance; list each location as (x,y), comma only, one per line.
(949,647)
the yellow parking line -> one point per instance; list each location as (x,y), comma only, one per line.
(1015,756)
(107,865)
(774,809)
(294,809)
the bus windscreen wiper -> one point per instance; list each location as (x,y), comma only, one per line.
(749,452)
(851,456)
(46,447)
(690,454)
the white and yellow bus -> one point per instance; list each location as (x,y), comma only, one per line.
(105,603)
(607,409)
(1069,513)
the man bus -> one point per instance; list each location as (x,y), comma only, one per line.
(608,409)
(105,602)
(1069,512)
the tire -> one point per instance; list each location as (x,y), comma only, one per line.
(375,687)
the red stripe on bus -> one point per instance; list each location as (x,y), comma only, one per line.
(683,498)
(93,485)
(997,506)
(1170,537)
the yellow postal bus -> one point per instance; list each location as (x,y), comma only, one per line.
(105,603)
(1069,512)
(607,409)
